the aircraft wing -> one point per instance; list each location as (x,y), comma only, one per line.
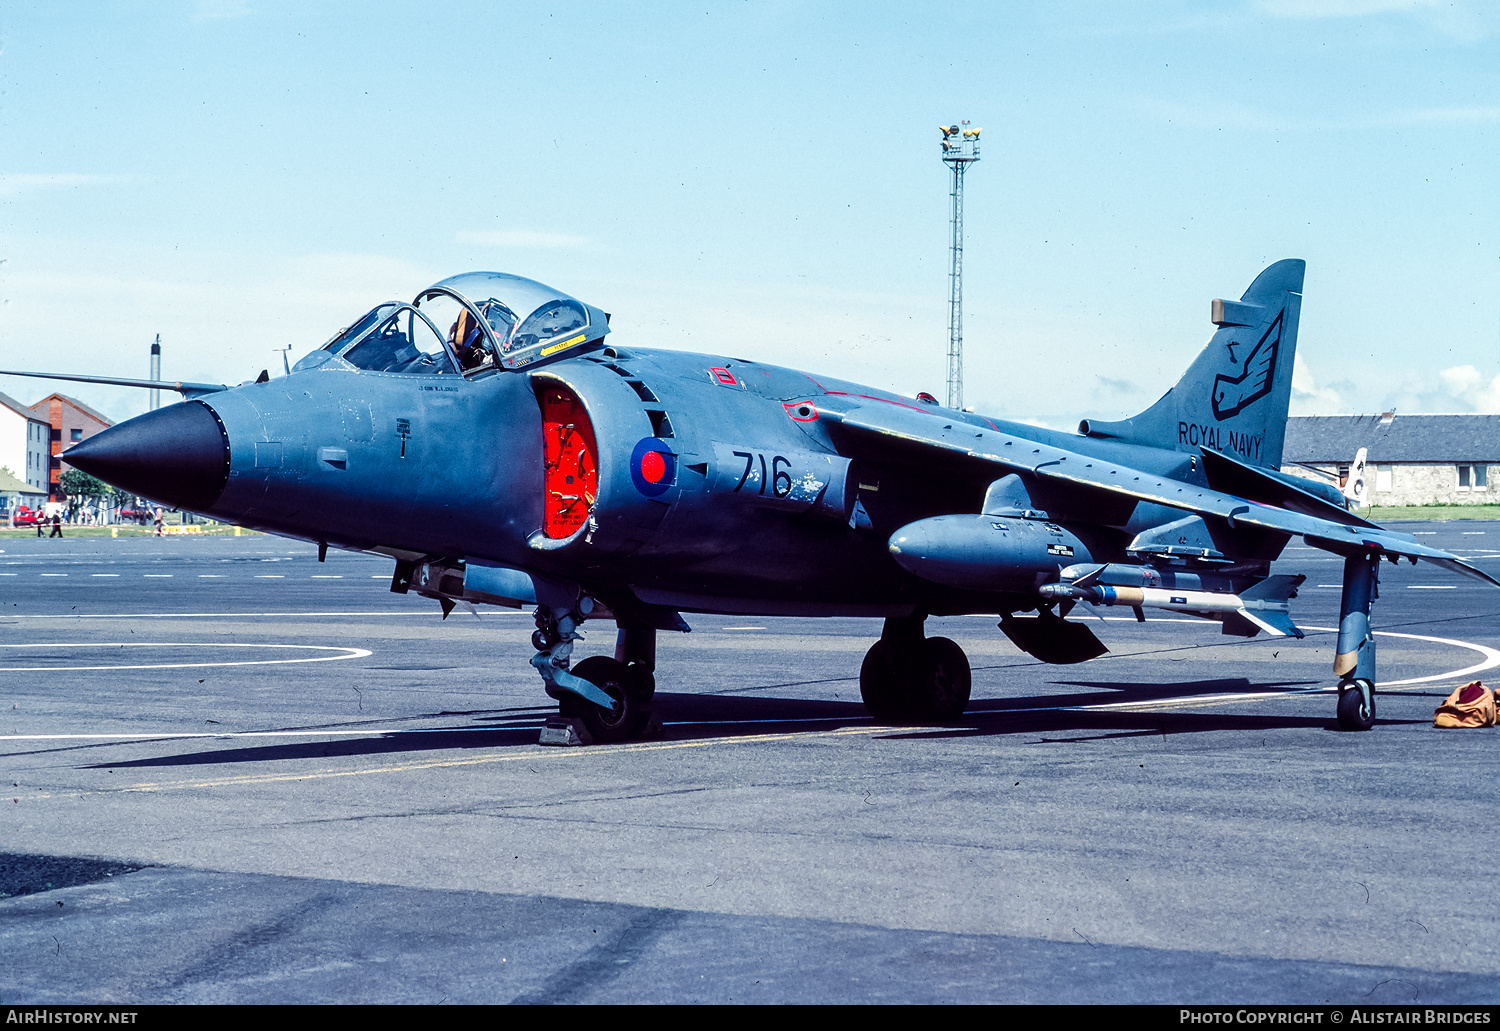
(187,390)
(934,434)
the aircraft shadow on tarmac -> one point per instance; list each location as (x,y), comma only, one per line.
(697,717)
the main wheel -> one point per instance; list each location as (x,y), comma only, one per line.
(942,692)
(928,682)
(632,709)
(880,683)
(1354,714)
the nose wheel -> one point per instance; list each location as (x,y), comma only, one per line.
(906,676)
(631,688)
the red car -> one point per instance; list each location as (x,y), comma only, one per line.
(26,516)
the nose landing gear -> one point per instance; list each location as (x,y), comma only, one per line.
(630,688)
(611,697)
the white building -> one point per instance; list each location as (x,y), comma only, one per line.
(25,444)
(1411,459)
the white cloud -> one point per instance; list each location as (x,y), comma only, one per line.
(13,184)
(1310,399)
(523,238)
(1469,385)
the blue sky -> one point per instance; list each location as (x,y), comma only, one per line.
(763,180)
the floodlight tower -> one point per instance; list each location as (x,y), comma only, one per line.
(960,149)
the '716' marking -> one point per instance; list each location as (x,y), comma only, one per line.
(781,480)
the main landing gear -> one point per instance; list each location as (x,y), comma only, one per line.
(907,676)
(1354,664)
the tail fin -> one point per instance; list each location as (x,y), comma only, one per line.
(1354,487)
(1234,397)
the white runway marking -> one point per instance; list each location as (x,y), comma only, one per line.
(1491,660)
(346,653)
(1431,587)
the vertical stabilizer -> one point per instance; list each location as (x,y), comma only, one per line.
(1235,395)
(1355,488)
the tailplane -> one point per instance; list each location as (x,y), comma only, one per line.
(1235,395)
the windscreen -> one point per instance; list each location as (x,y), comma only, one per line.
(401,342)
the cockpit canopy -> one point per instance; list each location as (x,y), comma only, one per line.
(467,324)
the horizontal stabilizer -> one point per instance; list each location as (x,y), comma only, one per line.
(1232,476)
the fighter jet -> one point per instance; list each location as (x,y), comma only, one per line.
(489,440)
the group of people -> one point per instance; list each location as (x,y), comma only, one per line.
(56,523)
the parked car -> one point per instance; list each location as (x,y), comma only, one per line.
(25,516)
(135,515)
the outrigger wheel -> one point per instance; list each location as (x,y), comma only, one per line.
(906,676)
(1356,704)
(632,688)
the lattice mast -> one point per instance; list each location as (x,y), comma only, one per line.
(960,149)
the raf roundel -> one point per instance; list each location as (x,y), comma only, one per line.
(653,467)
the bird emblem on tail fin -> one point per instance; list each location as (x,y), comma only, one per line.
(1233,394)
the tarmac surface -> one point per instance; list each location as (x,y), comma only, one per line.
(234,774)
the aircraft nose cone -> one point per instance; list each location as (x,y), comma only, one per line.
(176,456)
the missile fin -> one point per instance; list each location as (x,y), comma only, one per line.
(1273,622)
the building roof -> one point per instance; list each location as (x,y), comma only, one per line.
(11,485)
(20,409)
(1398,438)
(85,409)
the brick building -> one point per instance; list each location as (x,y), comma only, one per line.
(70,421)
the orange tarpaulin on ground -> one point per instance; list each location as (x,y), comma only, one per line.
(1472,705)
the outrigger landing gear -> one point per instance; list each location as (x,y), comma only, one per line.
(1355,662)
(611,697)
(906,676)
